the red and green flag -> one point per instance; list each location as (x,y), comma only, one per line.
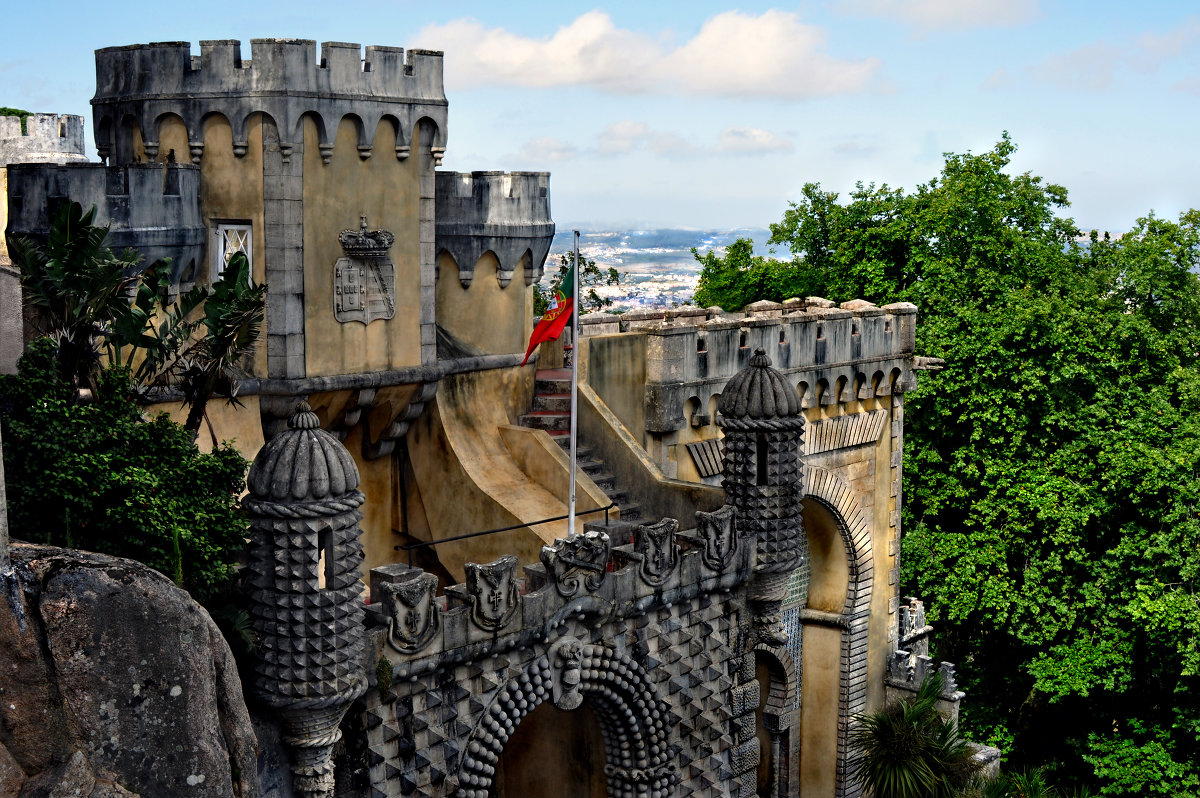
(557,316)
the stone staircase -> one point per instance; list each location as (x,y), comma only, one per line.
(551,412)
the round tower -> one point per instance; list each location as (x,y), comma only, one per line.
(759,412)
(305,591)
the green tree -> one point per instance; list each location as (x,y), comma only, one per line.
(101,308)
(98,476)
(1052,498)
(590,277)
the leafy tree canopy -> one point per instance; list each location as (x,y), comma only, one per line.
(1052,469)
(589,278)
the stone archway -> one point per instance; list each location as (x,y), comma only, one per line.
(842,623)
(633,720)
(775,717)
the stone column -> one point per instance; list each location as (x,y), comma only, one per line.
(305,591)
(4,563)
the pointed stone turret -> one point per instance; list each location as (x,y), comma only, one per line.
(759,412)
(305,591)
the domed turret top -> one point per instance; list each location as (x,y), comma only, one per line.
(302,463)
(759,392)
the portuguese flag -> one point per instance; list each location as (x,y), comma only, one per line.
(557,316)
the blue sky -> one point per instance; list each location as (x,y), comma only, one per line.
(704,114)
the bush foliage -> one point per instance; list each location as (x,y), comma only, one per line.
(1052,469)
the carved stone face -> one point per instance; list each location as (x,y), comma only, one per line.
(412,612)
(719,535)
(656,544)
(493,592)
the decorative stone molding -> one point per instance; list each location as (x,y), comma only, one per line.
(413,616)
(577,562)
(492,591)
(717,530)
(654,545)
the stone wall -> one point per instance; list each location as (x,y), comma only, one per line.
(650,634)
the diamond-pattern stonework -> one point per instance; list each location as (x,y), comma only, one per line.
(662,664)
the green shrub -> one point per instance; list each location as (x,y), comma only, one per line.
(99,476)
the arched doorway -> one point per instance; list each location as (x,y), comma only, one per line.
(553,753)
(835,620)
(776,677)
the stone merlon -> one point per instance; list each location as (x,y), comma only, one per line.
(506,213)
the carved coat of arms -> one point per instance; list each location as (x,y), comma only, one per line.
(577,561)
(364,281)
(717,530)
(412,612)
(656,544)
(492,590)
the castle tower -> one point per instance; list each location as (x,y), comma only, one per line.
(305,592)
(764,430)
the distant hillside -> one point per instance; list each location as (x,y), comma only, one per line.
(657,268)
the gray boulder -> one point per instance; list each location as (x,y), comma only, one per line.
(116,683)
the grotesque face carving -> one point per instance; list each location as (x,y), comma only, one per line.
(717,531)
(656,544)
(412,612)
(493,592)
(578,561)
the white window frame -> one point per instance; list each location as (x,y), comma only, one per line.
(224,232)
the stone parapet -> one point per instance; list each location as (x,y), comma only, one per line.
(832,355)
(611,572)
(283,79)
(44,138)
(505,213)
(153,208)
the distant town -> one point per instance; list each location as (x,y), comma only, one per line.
(656,266)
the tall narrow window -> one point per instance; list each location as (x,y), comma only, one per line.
(760,446)
(324,558)
(230,238)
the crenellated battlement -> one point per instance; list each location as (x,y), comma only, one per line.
(832,354)
(154,208)
(607,574)
(507,213)
(46,138)
(283,79)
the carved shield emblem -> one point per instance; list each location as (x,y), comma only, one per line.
(492,590)
(578,561)
(656,544)
(717,530)
(412,612)
(364,282)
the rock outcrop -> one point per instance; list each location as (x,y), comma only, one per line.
(115,683)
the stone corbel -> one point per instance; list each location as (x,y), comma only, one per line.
(151,148)
(274,412)
(383,443)
(351,412)
(197,150)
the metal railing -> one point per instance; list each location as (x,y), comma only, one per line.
(421,544)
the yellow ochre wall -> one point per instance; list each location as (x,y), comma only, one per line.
(335,195)
(485,317)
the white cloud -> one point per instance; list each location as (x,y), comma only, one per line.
(946,14)
(1096,66)
(1088,67)
(547,149)
(622,137)
(771,54)
(752,141)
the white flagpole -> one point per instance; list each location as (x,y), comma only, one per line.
(574,386)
